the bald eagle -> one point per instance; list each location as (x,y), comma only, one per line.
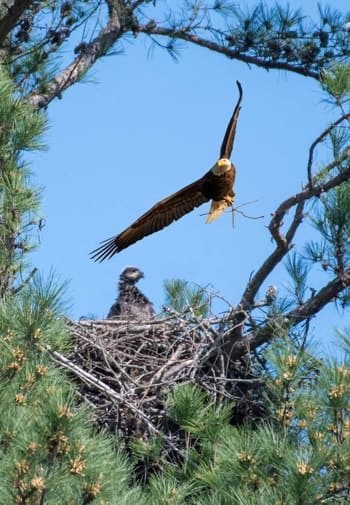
(131,303)
(216,185)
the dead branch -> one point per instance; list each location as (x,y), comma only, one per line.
(88,55)
(301,313)
(127,368)
(109,392)
(318,141)
(284,242)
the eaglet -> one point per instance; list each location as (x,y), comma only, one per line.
(131,303)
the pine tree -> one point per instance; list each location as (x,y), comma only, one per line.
(21,130)
(299,450)
(49,453)
(182,297)
(299,455)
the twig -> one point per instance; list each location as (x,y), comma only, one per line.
(153,29)
(284,243)
(320,139)
(109,392)
(246,215)
(26,281)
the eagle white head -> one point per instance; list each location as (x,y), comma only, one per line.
(222,166)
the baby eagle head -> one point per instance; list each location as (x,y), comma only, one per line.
(222,166)
(131,274)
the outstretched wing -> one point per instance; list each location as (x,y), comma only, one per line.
(227,143)
(159,216)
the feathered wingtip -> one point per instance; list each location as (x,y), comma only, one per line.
(105,251)
(227,143)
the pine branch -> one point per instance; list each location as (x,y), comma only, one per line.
(26,281)
(153,29)
(307,310)
(325,295)
(297,49)
(87,57)
(10,19)
(319,140)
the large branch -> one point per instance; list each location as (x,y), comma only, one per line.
(284,242)
(10,19)
(301,313)
(89,54)
(234,54)
(236,343)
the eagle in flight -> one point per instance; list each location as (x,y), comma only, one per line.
(216,185)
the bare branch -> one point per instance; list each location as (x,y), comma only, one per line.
(298,217)
(325,295)
(108,391)
(137,4)
(26,281)
(320,139)
(308,193)
(89,54)
(10,19)
(301,313)
(284,243)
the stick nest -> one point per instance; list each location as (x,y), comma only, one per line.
(126,370)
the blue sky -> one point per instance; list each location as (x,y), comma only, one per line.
(143,127)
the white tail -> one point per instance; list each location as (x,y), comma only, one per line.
(216,209)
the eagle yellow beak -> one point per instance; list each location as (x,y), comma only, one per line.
(223,162)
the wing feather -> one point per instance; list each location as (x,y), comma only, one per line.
(227,143)
(159,216)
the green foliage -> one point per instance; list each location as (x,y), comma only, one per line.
(304,443)
(49,454)
(167,490)
(183,297)
(331,218)
(188,406)
(279,31)
(21,126)
(47,446)
(298,271)
(147,449)
(35,314)
(336,81)
(21,130)
(36,43)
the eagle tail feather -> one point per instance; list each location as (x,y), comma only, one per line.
(216,209)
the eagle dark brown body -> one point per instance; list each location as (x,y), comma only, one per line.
(216,185)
